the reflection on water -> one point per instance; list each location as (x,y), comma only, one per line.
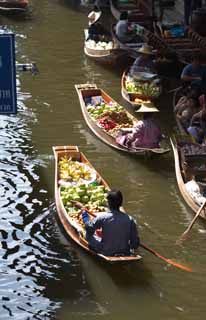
(43,276)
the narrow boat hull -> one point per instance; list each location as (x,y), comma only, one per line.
(88,90)
(13,6)
(181,182)
(64,219)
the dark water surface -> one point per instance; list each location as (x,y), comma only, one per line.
(43,276)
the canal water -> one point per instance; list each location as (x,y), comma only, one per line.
(42,274)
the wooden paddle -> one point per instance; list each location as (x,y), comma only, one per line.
(169,261)
(185,233)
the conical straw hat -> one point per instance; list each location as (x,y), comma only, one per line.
(147,107)
(93,16)
(145,49)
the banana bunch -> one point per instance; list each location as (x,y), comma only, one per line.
(73,171)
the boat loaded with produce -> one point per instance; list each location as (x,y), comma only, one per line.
(105,117)
(76,183)
(144,86)
(190,158)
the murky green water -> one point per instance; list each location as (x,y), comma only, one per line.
(43,276)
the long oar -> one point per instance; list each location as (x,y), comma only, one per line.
(169,261)
(185,233)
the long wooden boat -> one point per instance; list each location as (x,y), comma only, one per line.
(134,99)
(86,91)
(140,13)
(102,54)
(138,10)
(13,5)
(180,157)
(70,222)
(183,45)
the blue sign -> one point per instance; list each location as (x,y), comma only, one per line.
(8,95)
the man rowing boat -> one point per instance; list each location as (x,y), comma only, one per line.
(119,231)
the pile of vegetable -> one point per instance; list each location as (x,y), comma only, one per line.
(101,45)
(90,193)
(93,197)
(148,89)
(110,116)
(74,171)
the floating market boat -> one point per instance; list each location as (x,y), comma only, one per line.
(137,10)
(13,5)
(105,118)
(140,15)
(76,179)
(104,52)
(194,155)
(176,41)
(140,87)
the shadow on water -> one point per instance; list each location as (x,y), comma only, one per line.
(109,285)
(122,275)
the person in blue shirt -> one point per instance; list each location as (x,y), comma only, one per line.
(144,62)
(119,230)
(195,73)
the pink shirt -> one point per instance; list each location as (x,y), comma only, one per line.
(146,134)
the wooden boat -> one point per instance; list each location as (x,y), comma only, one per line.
(71,225)
(192,159)
(140,13)
(138,10)
(183,46)
(103,54)
(13,5)
(134,99)
(86,91)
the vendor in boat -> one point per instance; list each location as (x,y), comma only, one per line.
(194,189)
(185,111)
(96,31)
(194,74)
(125,32)
(144,61)
(197,128)
(145,134)
(119,230)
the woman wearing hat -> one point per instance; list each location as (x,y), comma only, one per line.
(146,133)
(144,61)
(96,31)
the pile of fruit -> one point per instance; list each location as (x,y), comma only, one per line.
(143,89)
(93,197)
(74,171)
(99,110)
(110,116)
(101,45)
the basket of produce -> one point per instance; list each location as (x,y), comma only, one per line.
(145,90)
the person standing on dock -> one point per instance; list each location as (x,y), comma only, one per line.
(119,231)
